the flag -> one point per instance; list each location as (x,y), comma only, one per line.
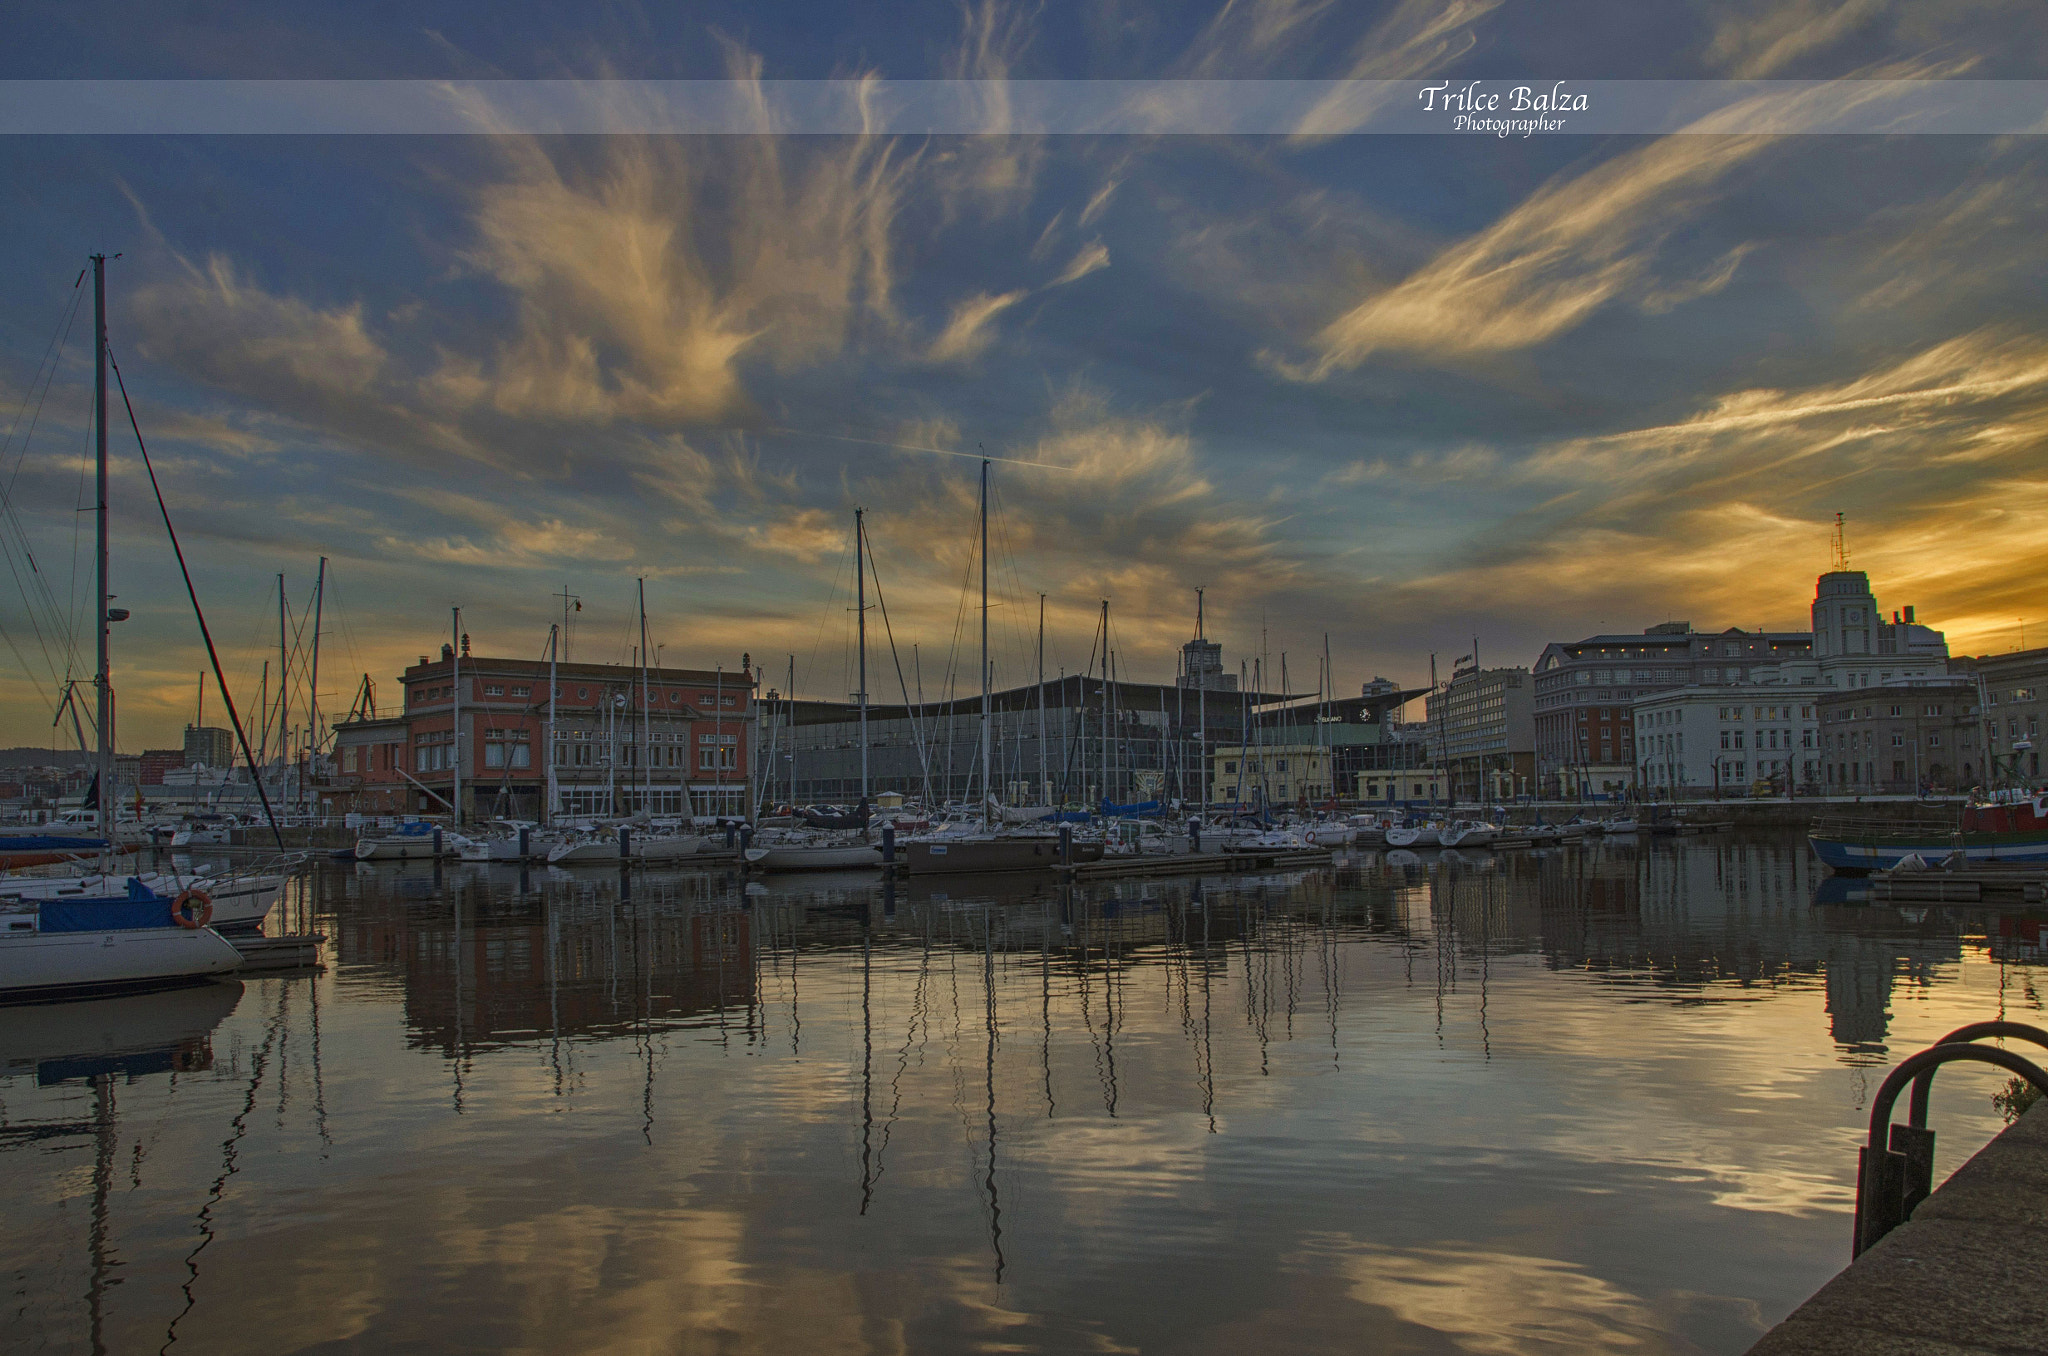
(579,604)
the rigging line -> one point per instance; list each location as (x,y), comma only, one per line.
(916,727)
(53,357)
(7,503)
(818,639)
(910,447)
(220,679)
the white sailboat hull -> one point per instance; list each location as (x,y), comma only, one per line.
(597,851)
(407,847)
(820,857)
(1412,838)
(238,902)
(55,962)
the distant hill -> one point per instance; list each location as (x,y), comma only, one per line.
(21,758)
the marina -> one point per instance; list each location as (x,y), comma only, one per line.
(696,1100)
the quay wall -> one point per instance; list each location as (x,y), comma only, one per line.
(1968,1273)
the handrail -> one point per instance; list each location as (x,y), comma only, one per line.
(1895,1171)
(1916,1113)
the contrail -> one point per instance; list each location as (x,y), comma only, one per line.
(912,447)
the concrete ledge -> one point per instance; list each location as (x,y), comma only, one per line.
(1968,1273)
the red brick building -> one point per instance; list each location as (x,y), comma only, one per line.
(156,762)
(680,745)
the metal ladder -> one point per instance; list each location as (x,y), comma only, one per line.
(1895,1169)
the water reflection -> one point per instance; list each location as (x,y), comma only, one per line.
(103,1044)
(1584,1098)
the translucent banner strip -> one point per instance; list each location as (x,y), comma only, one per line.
(1304,108)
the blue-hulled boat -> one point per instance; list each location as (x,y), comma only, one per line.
(2010,826)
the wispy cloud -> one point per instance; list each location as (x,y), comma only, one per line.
(1094,255)
(1580,242)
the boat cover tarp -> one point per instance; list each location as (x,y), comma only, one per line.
(139,908)
(47,842)
(1143,807)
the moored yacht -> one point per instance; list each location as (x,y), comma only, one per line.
(55,947)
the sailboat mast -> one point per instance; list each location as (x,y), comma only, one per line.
(1044,785)
(284,710)
(1202,707)
(860,570)
(103,678)
(985,783)
(646,760)
(313,677)
(1102,748)
(789,719)
(455,690)
(547,814)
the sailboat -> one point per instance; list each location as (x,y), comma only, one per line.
(820,849)
(55,939)
(1032,847)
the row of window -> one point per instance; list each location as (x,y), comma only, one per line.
(632,699)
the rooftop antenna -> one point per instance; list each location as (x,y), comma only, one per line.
(1198,615)
(1841,546)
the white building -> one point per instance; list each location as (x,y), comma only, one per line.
(1271,774)
(1764,732)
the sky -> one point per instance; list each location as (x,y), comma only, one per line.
(1409,392)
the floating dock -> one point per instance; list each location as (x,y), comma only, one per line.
(279,953)
(1977,883)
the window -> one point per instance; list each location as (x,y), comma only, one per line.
(1280,765)
(1898,710)
(1229,769)
(1738,739)
(494,689)
(1710,675)
(520,692)
(1806,713)
(2023,694)
(1934,739)
(1898,741)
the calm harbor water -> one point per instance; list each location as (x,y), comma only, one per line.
(1595,1099)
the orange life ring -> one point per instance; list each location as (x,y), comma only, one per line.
(185,915)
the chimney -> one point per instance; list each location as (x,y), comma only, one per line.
(423,659)
(447,653)
(1909,614)
(1895,616)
